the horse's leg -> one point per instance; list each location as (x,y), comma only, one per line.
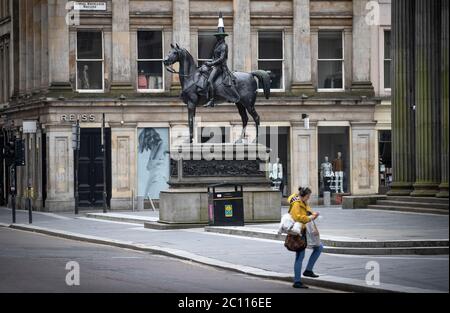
(191,112)
(244,118)
(251,109)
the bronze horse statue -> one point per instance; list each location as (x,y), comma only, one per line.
(193,95)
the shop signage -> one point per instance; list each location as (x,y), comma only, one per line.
(29,127)
(79,117)
(90,6)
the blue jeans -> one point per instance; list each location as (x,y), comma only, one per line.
(312,260)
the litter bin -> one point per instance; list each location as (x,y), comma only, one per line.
(226,208)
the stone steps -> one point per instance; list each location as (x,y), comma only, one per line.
(427,200)
(431,205)
(408,209)
(356,247)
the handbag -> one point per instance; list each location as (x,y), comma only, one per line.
(296,243)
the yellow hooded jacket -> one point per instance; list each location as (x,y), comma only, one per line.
(299,210)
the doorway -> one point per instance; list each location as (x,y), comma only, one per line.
(90,168)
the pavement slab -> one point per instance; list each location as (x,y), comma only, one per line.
(425,272)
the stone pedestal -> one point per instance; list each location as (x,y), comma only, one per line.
(195,167)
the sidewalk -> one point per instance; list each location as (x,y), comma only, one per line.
(256,256)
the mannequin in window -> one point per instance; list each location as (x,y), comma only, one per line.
(326,173)
(85,77)
(142,80)
(338,167)
(276,174)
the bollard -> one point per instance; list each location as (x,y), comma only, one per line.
(326,198)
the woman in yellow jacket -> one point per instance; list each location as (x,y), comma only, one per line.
(302,213)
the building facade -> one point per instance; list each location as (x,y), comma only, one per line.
(328,59)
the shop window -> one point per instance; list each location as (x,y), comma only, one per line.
(271,57)
(334,159)
(206,43)
(150,61)
(90,61)
(387,59)
(385,159)
(330,62)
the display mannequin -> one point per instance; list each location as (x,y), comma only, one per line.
(338,167)
(276,174)
(326,173)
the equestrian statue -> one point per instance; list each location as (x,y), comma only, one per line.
(213,83)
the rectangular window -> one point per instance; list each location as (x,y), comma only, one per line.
(206,43)
(150,61)
(387,59)
(330,61)
(90,61)
(271,56)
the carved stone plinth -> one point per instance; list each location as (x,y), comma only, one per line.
(194,167)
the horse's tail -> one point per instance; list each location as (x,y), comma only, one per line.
(264,80)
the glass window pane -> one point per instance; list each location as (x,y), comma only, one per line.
(89,45)
(387,44)
(270,45)
(150,45)
(150,75)
(330,74)
(206,42)
(276,75)
(90,75)
(387,74)
(330,45)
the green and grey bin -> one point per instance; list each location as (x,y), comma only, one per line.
(226,208)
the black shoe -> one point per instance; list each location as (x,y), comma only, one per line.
(300,285)
(310,274)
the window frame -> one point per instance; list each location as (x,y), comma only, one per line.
(151,90)
(342,60)
(283,72)
(90,60)
(383,59)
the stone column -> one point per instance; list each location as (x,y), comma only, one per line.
(301,82)
(22,49)
(364,159)
(44,45)
(60,178)
(180,31)
(427,93)
(123,161)
(304,164)
(58,41)
(403,137)
(37,33)
(361,50)
(121,66)
(29,43)
(242,57)
(444,101)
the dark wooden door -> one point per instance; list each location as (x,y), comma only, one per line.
(90,167)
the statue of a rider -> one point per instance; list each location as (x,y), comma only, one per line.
(220,70)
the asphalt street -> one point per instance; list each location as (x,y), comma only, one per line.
(32,262)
